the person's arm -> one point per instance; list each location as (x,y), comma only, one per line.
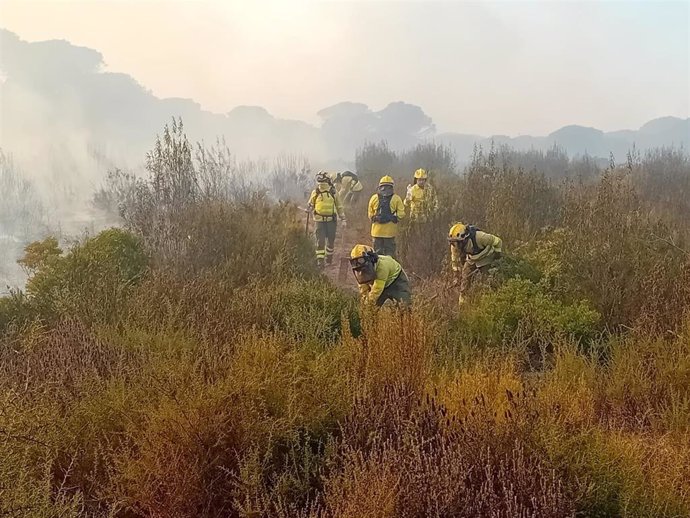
(372,206)
(383,271)
(376,290)
(486,240)
(456,258)
(399,210)
(408,196)
(312,200)
(498,244)
(339,207)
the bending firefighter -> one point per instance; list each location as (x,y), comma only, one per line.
(326,206)
(386,209)
(350,187)
(472,252)
(420,197)
(380,277)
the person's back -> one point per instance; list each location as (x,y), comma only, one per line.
(385,210)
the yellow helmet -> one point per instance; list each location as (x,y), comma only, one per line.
(457,232)
(421,174)
(324,177)
(362,255)
(386,180)
(360,251)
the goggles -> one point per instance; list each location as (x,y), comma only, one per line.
(358,262)
(458,239)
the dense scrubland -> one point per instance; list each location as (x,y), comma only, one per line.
(194,363)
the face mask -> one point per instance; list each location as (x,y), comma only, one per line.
(386,190)
(365,274)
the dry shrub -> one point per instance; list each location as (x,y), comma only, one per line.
(421,459)
(394,350)
(647,385)
(618,430)
(248,387)
(610,251)
(210,306)
(179,454)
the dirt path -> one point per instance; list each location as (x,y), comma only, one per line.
(339,272)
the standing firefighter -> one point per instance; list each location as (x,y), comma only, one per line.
(380,277)
(385,210)
(350,187)
(420,198)
(472,252)
(326,206)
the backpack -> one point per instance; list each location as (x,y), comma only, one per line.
(472,230)
(320,197)
(383,211)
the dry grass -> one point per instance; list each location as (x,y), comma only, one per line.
(223,387)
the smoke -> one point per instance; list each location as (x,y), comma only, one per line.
(65,122)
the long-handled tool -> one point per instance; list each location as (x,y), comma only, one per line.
(306,226)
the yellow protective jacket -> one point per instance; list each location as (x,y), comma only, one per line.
(421,201)
(387,270)
(349,184)
(389,229)
(324,204)
(488,244)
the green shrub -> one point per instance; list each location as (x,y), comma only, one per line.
(15,310)
(521,310)
(313,311)
(91,282)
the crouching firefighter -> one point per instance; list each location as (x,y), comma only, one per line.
(380,277)
(386,209)
(327,207)
(472,252)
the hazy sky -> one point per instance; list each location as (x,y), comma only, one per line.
(475,67)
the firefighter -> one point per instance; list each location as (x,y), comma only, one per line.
(326,206)
(472,252)
(380,277)
(350,187)
(386,209)
(420,198)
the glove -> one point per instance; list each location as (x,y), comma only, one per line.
(375,219)
(394,218)
(344,222)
